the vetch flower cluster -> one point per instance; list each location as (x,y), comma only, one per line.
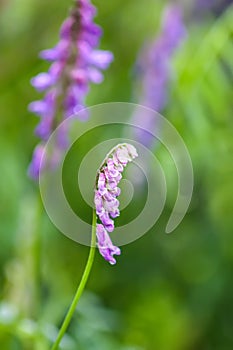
(75,63)
(154,67)
(106,193)
(157,63)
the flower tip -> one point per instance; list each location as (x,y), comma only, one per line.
(112,262)
(37,107)
(111,259)
(48,55)
(42,81)
(132,151)
(101,58)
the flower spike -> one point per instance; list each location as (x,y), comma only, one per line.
(106,193)
(76,62)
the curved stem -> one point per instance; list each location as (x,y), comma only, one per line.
(81,286)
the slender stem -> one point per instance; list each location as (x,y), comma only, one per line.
(81,286)
(35,277)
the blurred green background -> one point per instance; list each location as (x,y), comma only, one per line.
(166,292)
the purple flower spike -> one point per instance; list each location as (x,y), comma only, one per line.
(76,62)
(106,193)
(154,68)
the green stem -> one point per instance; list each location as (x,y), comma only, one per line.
(81,286)
(36,260)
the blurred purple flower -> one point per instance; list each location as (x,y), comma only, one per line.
(154,67)
(75,64)
(106,193)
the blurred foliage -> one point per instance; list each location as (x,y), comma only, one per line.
(166,292)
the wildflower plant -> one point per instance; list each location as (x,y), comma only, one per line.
(106,208)
(195,93)
(75,63)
